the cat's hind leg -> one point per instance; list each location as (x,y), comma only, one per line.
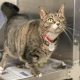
(34,70)
(4,60)
(25,63)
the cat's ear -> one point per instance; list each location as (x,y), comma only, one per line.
(61,10)
(42,13)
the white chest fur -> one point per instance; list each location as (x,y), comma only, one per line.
(54,26)
(52,46)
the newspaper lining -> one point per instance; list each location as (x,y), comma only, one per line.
(14,73)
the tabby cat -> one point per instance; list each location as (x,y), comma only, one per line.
(31,41)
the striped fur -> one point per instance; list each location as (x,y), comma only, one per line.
(24,38)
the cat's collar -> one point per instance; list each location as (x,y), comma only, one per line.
(46,38)
(51,44)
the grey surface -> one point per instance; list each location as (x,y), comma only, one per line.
(50,72)
(57,75)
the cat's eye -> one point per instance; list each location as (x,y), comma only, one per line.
(50,20)
(62,18)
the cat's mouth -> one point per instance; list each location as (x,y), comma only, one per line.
(49,39)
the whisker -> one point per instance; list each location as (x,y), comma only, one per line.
(69,32)
(67,35)
(70,28)
(69,25)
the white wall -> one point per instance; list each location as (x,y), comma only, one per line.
(32,6)
(12,1)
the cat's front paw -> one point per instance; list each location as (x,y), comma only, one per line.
(39,75)
(1,70)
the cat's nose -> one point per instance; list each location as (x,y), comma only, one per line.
(58,23)
(54,26)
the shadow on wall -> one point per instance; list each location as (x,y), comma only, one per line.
(64,50)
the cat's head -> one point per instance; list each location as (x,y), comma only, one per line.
(53,23)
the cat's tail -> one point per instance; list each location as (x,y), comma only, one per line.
(9,9)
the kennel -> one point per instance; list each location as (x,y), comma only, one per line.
(68,46)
